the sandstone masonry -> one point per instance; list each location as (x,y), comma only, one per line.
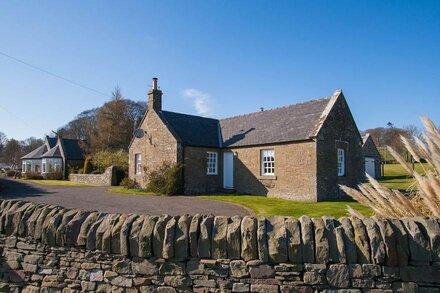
(47,248)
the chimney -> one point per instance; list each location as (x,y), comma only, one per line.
(155,97)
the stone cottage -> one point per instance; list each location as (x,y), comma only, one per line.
(57,154)
(373,160)
(300,152)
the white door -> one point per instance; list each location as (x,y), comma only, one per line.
(228,170)
(370,167)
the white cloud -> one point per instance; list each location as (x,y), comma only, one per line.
(201,101)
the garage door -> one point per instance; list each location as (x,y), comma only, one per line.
(370,167)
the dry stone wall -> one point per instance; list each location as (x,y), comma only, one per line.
(108,178)
(47,248)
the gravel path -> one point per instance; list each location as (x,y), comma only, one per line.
(96,198)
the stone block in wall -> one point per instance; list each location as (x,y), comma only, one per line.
(293,233)
(338,275)
(50,226)
(389,241)
(307,238)
(249,248)
(361,241)
(146,236)
(102,233)
(330,234)
(39,221)
(263,271)
(133,238)
(263,250)
(159,235)
(377,246)
(431,228)
(61,230)
(219,238)
(141,266)
(91,233)
(194,235)
(340,244)
(234,237)
(84,229)
(277,239)
(321,242)
(205,236)
(116,234)
(181,240)
(239,269)
(420,252)
(349,241)
(168,243)
(125,233)
(73,228)
(22,229)
(30,224)
(402,244)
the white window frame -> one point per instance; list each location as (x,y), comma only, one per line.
(267,162)
(138,163)
(211,163)
(341,162)
(44,166)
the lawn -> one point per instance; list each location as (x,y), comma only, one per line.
(59,183)
(123,190)
(264,206)
(395,177)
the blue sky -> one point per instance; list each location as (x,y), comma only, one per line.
(219,58)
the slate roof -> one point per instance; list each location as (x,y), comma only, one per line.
(52,141)
(54,152)
(194,130)
(285,124)
(72,149)
(37,153)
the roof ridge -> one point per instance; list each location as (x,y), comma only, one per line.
(276,108)
(191,115)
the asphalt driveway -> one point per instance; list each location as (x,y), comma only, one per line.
(96,198)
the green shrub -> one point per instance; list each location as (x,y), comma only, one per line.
(11,173)
(33,176)
(167,180)
(88,165)
(55,175)
(129,183)
(104,159)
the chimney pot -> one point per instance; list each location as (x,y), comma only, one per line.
(154,83)
(261,109)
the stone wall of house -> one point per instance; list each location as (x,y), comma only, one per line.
(295,171)
(48,249)
(370,150)
(108,178)
(156,147)
(195,173)
(338,131)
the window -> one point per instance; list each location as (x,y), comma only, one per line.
(341,162)
(267,162)
(44,167)
(211,163)
(137,160)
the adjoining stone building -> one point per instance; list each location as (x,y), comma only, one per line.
(302,151)
(373,160)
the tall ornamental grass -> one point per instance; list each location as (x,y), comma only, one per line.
(424,198)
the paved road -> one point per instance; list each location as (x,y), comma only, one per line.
(96,198)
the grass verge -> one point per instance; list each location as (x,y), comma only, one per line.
(122,190)
(266,207)
(60,183)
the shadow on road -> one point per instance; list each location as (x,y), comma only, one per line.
(16,189)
